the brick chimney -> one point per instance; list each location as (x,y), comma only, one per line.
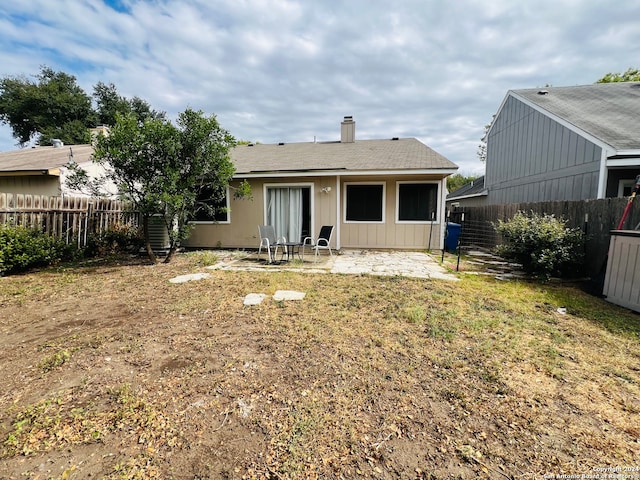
(348,130)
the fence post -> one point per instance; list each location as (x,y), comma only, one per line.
(459,240)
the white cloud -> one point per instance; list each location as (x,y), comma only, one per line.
(285,70)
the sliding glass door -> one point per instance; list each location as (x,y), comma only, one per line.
(289,211)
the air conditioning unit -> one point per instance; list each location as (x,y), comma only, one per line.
(158,235)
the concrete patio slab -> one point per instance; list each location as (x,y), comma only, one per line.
(348,262)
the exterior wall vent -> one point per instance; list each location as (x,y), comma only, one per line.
(395,138)
(543,92)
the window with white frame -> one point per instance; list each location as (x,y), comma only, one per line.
(416,202)
(212,206)
(625,187)
(364,202)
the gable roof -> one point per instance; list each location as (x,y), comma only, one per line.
(474,188)
(607,111)
(405,154)
(42,159)
(322,158)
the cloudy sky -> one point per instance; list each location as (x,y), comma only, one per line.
(290,70)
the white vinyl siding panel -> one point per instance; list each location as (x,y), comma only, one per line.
(622,279)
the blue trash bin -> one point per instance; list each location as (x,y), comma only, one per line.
(451,236)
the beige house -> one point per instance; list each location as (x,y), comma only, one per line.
(376,193)
(42,170)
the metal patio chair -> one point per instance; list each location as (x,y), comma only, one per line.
(322,243)
(269,241)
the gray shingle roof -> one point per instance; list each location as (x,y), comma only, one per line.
(608,111)
(42,158)
(361,155)
(475,187)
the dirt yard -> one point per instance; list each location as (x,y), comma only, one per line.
(108,370)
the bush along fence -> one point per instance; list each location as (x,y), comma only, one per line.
(596,218)
(71,219)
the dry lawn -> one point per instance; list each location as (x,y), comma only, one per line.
(110,371)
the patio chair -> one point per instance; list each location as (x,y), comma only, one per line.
(322,243)
(269,241)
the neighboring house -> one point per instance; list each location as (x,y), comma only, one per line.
(376,193)
(564,143)
(471,194)
(41,170)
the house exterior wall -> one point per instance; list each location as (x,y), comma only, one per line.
(390,233)
(246,214)
(532,158)
(31,185)
(620,181)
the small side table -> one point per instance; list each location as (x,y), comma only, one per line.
(290,250)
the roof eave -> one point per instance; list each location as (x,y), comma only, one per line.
(338,172)
(484,193)
(51,172)
(628,153)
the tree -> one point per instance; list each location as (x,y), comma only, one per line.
(482,147)
(53,107)
(456,181)
(162,169)
(109,103)
(631,75)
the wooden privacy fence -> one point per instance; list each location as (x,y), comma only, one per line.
(71,219)
(596,218)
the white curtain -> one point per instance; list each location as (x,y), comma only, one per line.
(284,212)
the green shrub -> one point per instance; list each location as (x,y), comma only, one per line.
(116,239)
(542,244)
(22,248)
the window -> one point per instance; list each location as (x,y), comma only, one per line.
(625,187)
(211,209)
(417,202)
(364,202)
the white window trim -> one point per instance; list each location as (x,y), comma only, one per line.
(625,183)
(436,218)
(212,222)
(384,203)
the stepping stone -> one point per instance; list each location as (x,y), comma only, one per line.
(282,295)
(189,278)
(254,299)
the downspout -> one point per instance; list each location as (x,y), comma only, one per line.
(338,210)
(602,177)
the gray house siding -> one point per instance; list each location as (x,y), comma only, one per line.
(534,158)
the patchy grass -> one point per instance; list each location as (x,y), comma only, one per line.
(110,371)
